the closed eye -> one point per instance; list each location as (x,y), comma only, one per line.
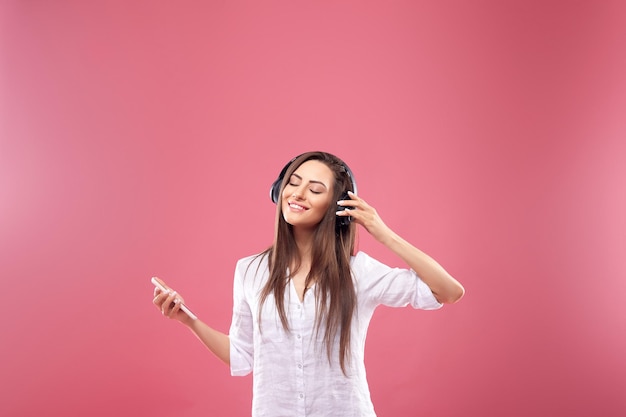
(295,180)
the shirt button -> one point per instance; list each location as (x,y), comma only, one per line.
(298,306)
(299,337)
(299,366)
(301,395)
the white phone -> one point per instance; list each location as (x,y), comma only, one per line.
(182,306)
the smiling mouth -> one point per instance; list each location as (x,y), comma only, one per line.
(297,206)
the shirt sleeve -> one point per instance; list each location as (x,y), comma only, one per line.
(393,287)
(241,329)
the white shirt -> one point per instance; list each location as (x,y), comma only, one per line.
(291,370)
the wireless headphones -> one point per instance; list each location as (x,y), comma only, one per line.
(341,220)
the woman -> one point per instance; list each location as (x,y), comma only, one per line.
(302,307)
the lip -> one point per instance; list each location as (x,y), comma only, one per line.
(295,206)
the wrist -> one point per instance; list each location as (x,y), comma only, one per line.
(387,237)
(188,321)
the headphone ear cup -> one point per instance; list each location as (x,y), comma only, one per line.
(275,190)
(341,220)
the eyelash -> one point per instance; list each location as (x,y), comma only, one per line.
(314,192)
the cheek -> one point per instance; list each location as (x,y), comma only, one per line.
(323,206)
(287,192)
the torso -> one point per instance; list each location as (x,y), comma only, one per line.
(299,280)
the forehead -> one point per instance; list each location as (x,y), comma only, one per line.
(315,170)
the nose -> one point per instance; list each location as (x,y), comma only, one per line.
(297,193)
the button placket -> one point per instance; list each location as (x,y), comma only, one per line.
(298,323)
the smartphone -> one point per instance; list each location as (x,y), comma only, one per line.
(183,307)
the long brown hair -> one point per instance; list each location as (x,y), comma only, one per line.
(330,262)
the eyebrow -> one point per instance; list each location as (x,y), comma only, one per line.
(313,181)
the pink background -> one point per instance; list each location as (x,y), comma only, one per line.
(139,138)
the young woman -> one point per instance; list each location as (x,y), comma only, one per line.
(302,307)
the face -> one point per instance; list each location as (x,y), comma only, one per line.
(308,194)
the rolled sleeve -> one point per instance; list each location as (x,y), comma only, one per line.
(424,297)
(241,331)
(241,347)
(392,287)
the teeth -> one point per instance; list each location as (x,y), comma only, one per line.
(295,206)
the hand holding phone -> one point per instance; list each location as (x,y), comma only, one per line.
(156,283)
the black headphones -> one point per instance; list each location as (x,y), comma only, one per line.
(341,220)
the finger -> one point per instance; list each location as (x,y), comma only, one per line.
(353,201)
(159,298)
(176,307)
(160,281)
(344,213)
(168,303)
(157,289)
(161,302)
(348,203)
(360,201)
(354,214)
(354,196)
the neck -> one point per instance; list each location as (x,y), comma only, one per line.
(304,242)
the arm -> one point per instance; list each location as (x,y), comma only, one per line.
(444,287)
(169,303)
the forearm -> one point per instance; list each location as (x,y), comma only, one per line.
(217,342)
(445,288)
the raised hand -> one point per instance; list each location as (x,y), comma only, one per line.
(365,215)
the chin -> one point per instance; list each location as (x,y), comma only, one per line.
(299,223)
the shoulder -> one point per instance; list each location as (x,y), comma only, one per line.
(362,265)
(248,259)
(256,258)
(252,264)
(368,269)
(362,261)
